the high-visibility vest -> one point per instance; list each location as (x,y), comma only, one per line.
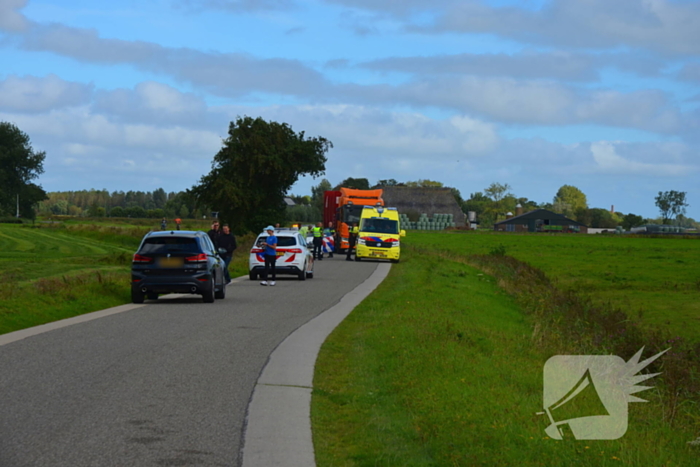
(318,232)
(355,230)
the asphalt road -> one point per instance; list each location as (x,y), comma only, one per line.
(164,384)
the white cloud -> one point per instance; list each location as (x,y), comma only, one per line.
(662,25)
(230,74)
(236,6)
(610,162)
(34,94)
(152,102)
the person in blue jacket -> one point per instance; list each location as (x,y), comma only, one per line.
(270,255)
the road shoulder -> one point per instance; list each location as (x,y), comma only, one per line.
(278,424)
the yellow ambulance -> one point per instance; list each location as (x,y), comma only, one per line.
(380,233)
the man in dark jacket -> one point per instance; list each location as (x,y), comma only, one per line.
(227,244)
(214,233)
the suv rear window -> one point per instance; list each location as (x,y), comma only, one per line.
(163,245)
(281,241)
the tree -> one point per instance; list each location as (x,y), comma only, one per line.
(671,204)
(160,198)
(258,163)
(569,200)
(602,219)
(356,183)
(117,211)
(424,184)
(388,182)
(19,165)
(317,193)
(478,203)
(497,192)
(632,220)
(527,204)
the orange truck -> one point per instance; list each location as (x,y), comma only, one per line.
(344,207)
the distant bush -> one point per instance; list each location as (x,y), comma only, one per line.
(10,220)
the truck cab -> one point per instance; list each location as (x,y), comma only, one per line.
(380,233)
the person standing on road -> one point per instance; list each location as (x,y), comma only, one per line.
(214,233)
(163,224)
(270,255)
(318,242)
(329,232)
(227,244)
(352,239)
(303,231)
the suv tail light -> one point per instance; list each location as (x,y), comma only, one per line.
(256,250)
(200,258)
(142,259)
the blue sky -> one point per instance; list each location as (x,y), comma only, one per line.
(132,95)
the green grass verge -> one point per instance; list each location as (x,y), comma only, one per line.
(654,278)
(438,367)
(52,271)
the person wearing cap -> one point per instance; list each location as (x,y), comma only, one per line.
(270,255)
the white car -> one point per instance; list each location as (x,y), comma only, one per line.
(293,255)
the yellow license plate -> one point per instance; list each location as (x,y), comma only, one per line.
(377,253)
(171,262)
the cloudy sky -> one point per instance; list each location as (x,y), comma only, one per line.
(136,95)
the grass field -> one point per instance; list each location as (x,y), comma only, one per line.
(441,367)
(52,271)
(657,279)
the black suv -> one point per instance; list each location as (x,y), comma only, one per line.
(177,262)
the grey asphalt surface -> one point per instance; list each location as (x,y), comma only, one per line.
(163,384)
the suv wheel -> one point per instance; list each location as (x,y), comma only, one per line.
(137,296)
(221,293)
(209,294)
(302,273)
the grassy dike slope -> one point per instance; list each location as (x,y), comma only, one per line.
(50,272)
(656,279)
(438,368)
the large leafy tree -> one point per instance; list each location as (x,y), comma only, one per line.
(258,163)
(19,165)
(497,192)
(356,183)
(569,200)
(317,193)
(671,204)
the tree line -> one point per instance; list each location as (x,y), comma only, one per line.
(252,174)
(135,204)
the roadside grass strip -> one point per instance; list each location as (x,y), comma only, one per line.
(440,367)
(50,272)
(655,279)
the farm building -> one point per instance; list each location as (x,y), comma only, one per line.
(540,220)
(425,200)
